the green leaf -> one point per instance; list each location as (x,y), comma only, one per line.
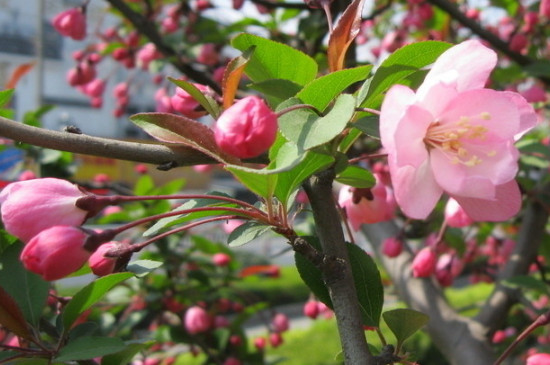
(28,290)
(289,181)
(398,66)
(11,317)
(279,89)
(370,125)
(177,129)
(261,182)
(357,177)
(368,285)
(527,282)
(404,322)
(366,276)
(207,102)
(246,232)
(273,60)
(144,185)
(89,295)
(141,268)
(511,6)
(307,130)
(5,96)
(321,91)
(311,275)
(126,355)
(538,69)
(84,348)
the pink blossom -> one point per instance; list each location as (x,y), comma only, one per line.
(247,128)
(259,343)
(102,265)
(275,339)
(311,309)
(71,23)
(232,361)
(27,175)
(544,8)
(184,103)
(455,216)
(230,225)
(95,88)
(534,94)
(280,322)
(392,247)
(31,206)
(197,320)
(221,259)
(146,54)
(55,252)
(424,263)
(82,74)
(455,136)
(538,359)
(365,206)
(208,54)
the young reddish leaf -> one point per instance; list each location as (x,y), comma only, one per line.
(17,74)
(232,76)
(11,316)
(177,129)
(343,34)
(258,270)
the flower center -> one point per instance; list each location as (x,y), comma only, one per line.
(455,139)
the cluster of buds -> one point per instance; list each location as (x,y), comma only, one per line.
(46,215)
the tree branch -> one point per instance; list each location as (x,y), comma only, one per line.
(340,283)
(528,242)
(153,153)
(459,338)
(149,29)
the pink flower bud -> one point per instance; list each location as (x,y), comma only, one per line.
(102,265)
(455,216)
(235,340)
(544,10)
(184,103)
(27,175)
(221,322)
(208,55)
(141,169)
(392,247)
(519,43)
(95,88)
(275,339)
(280,323)
(424,263)
(311,309)
(197,320)
(71,23)
(246,129)
(81,74)
(147,54)
(31,206)
(221,259)
(260,343)
(538,359)
(56,252)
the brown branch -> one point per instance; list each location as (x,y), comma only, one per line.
(529,239)
(149,29)
(338,279)
(493,39)
(153,153)
(459,338)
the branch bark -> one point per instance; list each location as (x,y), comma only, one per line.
(462,340)
(153,153)
(340,283)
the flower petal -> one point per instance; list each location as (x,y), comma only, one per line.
(527,115)
(393,108)
(410,148)
(466,65)
(506,204)
(416,190)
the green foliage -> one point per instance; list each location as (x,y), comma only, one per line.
(404,323)
(89,295)
(246,232)
(206,101)
(273,60)
(5,96)
(89,347)
(356,176)
(27,289)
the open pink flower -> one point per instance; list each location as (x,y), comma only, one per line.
(538,359)
(457,137)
